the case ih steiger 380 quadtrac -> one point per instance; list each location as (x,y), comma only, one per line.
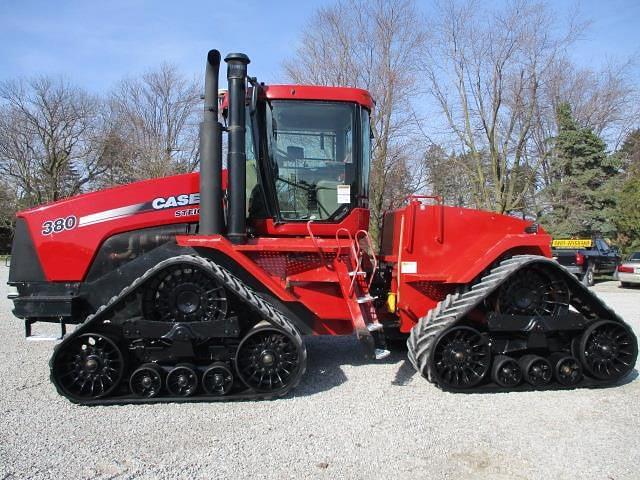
(201,286)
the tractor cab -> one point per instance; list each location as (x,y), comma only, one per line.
(307,159)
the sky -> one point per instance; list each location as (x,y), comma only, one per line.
(97,43)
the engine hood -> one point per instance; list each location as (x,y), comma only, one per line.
(66,234)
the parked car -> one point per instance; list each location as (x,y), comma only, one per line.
(629,271)
(586,258)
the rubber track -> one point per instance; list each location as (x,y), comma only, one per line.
(256,303)
(455,307)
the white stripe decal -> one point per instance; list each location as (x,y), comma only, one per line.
(110,214)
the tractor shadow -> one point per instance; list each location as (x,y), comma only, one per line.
(405,373)
(326,355)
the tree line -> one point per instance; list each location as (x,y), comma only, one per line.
(479,104)
(484,106)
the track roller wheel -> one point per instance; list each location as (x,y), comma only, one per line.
(536,370)
(146,381)
(460,358)
(607,350)
(182,381)
(87,367)
(566,369)
(269,359)
(506,371)
(217,379)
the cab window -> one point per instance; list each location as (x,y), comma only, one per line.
(311,147)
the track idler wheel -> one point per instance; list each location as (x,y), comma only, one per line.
(506,371)
(146,381)
(182,381)
(536,370)
(217,379)
(461,358)
(88,366)
(607,350)
(566,369)
(269,359)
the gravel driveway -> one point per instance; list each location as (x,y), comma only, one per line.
(348,418)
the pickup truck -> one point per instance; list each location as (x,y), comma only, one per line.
(586,257)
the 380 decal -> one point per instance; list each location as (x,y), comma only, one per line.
(59,225)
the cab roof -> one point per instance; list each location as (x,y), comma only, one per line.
(313,92)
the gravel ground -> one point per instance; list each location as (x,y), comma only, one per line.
(348,418)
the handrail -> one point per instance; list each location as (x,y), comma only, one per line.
(349,237)
(323,260)
(372,253)
(437,198)
(354,253)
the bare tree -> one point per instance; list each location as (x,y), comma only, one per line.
(49,139)
(448,175)
(373,45)
(154,122)
(605,101)
(485,70)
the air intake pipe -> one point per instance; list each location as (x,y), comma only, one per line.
(237,159)
(211,214)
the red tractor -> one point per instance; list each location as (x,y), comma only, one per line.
(201,286)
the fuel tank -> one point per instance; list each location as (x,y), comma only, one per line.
(452,244)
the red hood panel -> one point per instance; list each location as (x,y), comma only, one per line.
(68,233)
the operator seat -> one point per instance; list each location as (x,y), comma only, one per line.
(327,195)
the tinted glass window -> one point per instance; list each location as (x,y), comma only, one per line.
(366,152)
(602,245)
(311,145)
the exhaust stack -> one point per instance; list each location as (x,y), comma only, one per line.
(236,159)
(211,214)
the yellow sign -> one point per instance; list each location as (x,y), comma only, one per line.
(572,243)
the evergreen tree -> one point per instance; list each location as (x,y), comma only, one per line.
(627,213)
(630,153)
(582,173)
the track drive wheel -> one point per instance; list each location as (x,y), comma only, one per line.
(146,381)
(461,358)
(536,370)
(506,371)
(269,359)
(533,291)
(182,381)
(607,350)
(185,293)
(89,366)
(217,379)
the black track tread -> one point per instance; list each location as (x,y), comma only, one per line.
(256,303)
(454,307)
